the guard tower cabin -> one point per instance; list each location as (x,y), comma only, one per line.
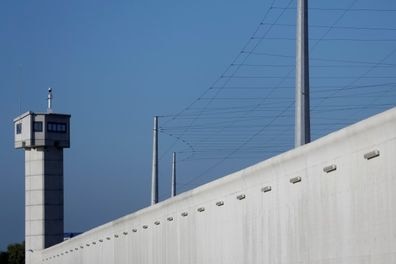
(43,136)
(33,130)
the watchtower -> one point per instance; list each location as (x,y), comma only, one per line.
(43,136)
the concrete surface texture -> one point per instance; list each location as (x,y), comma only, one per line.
(330,201)
(43,198)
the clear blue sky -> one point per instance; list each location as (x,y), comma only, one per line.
(113,65)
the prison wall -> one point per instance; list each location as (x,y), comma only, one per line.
(330,201)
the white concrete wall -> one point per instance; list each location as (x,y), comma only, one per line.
(347,216)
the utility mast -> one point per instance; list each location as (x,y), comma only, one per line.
(154,174)
(173,190)
(302,120)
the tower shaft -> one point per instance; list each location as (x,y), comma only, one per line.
(43,197)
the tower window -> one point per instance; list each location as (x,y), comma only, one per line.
(19,128)
(38,126)
(56,127)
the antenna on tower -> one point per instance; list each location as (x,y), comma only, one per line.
(49,98)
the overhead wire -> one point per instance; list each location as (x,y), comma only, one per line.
(217,126)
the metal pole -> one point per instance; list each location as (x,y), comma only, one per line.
(154,175)
(49,98)
(173,191)
(302,121)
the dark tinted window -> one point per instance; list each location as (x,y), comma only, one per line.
(18,128)
(38,126)
(56,127)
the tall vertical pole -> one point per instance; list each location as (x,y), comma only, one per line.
(49,98)
(154,175)
(173,191)
(302,122)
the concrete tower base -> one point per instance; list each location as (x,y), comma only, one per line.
(43,197)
